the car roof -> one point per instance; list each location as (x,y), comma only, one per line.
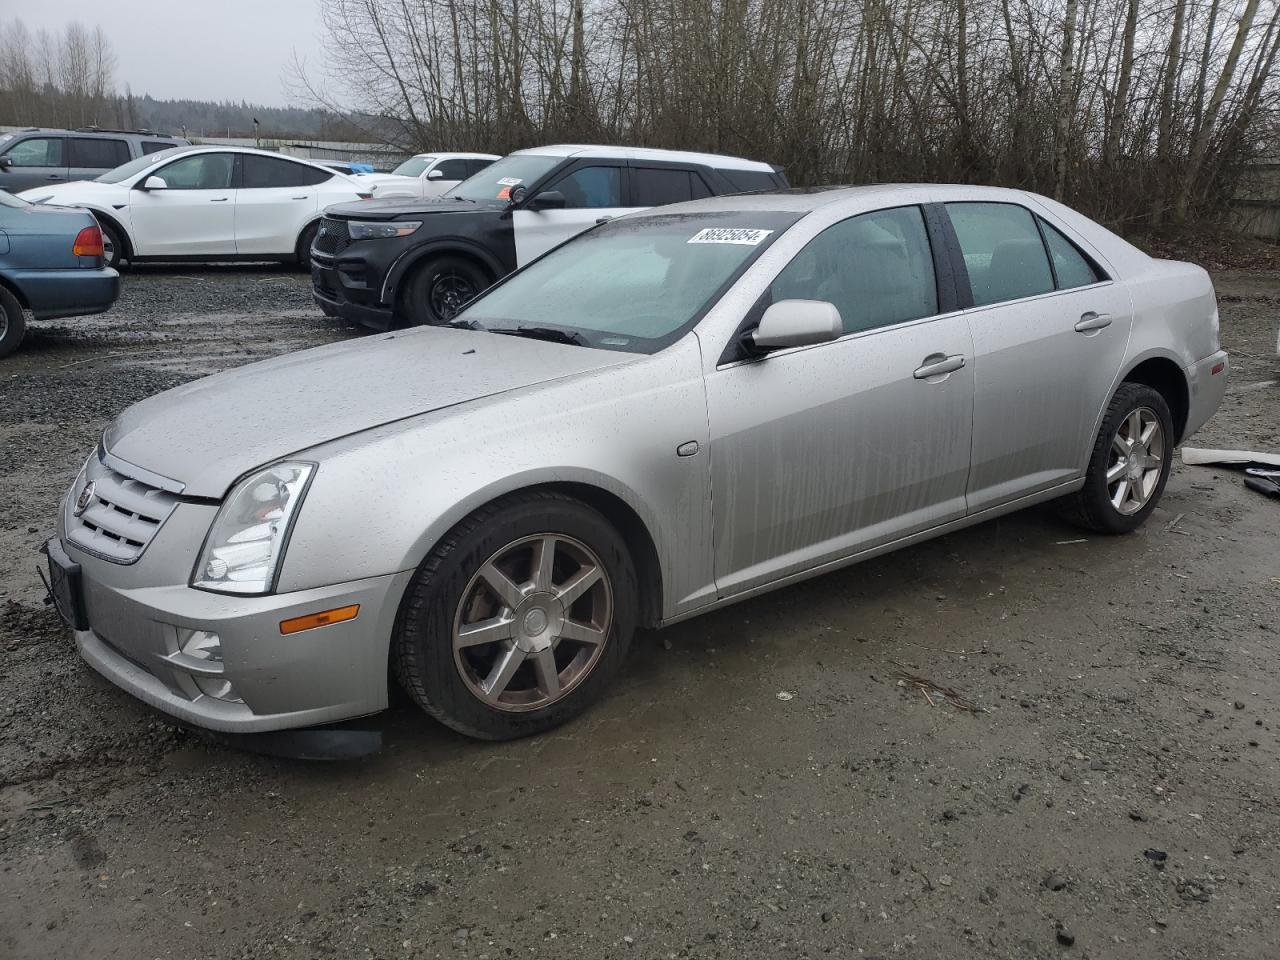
(715,160)
(223,148)
(808,199)
(95,132)
(453,154)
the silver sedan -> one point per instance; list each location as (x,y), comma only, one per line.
(675,411)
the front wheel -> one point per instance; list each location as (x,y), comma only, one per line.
(1130,463)
(112,246)
(440,288)
(13,322)
(518,619)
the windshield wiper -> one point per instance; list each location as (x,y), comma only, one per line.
(543,333)
(463,324)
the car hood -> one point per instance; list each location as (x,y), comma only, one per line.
(209,432)
(393,207)
(77,192)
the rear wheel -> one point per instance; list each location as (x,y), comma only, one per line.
(518,619)
(441,287)
(13,322)
(1130,464)
(307,239)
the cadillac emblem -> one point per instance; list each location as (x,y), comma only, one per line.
(85,498)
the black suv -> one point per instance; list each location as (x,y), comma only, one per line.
(380,263)
(38,157)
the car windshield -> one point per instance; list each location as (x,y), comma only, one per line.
(127,170)
(495,181)
(9,200)
(413,167)
(634,285)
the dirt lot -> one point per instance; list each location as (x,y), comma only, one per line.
(1115,797)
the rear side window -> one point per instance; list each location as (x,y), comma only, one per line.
(656,186)
(1003,252)
(452,169)
(745,181)
(154,146)
(98,152)
(877,268)
(263,172)
(1070,266)
(37,152)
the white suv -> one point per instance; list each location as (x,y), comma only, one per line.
(427,175)
(208,203)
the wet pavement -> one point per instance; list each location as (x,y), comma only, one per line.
(765,781)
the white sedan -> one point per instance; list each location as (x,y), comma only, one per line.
(208,203)
(427,175)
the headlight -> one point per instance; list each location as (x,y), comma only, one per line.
(243,549)
(381,230)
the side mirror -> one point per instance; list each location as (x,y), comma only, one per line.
(547,200)
(796,323)
(155,183)
(436,174)
(6,163)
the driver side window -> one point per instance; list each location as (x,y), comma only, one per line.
(203,171)
(591,187)
(877,268)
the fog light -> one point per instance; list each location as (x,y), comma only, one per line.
(200,656)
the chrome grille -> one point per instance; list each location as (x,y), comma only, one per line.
(333,237)
(121,516)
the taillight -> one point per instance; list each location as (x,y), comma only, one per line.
(88,242)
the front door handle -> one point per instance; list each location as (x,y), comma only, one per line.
(937,365)
(303,197)
(219,199)
(1092,321)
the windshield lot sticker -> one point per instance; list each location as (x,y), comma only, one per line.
(510,181)
(746,237)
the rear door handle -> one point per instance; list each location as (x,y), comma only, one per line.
(219,199)
(937,365)
(303,197)
(1092,321)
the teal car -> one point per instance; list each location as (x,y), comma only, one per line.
(51,265)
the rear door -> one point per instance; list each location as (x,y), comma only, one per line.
(1050,329)
(89,157)
(193,216)
(593,191)
(34,162)
(275,200)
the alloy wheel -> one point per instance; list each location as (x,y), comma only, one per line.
(532,622)
(449,293)
(1137,459)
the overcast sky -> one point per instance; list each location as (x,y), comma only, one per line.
(214,50)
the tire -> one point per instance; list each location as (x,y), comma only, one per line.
(449,595)
(13,322)
(113,245)
(438,289)
(306,240)
(1094,506)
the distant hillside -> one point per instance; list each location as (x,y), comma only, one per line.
(229,119)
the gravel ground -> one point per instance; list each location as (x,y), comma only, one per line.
(1114,795)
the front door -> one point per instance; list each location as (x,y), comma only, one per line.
(34,162)
(821,452)
(1049,332)
(192,215)
(590,193)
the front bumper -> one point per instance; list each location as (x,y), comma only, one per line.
(141,639)
(345,292)
(1207,384)
(73,292)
